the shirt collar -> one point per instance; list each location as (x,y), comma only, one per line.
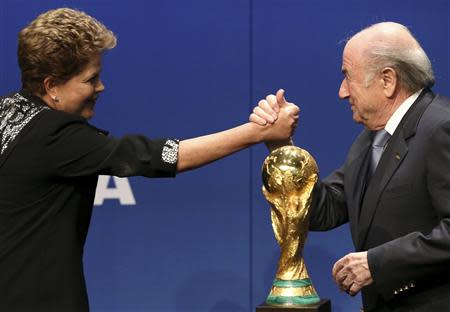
(397,116)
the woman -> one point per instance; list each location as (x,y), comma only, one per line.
(50,158)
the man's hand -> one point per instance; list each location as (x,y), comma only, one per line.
(352,273)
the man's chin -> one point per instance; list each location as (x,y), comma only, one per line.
(357,118)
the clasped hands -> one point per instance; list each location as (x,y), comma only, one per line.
(351,273)
(278,117)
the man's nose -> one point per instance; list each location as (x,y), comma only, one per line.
(343,90)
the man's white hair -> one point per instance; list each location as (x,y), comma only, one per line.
(406,57)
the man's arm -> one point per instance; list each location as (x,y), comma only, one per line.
(329,205)
(329,208)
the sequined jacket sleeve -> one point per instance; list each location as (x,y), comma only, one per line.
(74,148)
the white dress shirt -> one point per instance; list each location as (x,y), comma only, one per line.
(397,116)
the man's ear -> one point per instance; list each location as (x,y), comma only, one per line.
(389,80)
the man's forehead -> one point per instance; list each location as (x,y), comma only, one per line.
(353,53)
(347,58)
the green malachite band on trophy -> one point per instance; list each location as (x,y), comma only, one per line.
(293,300)
(294,283)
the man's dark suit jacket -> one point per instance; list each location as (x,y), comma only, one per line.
(402,215)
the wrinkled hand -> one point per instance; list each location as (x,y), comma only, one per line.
(351,273)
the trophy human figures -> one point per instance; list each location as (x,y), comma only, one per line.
(289,174)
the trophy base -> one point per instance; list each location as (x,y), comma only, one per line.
(324,305)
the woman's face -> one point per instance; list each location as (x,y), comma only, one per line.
(79,94)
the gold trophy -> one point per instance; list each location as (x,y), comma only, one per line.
(289,174)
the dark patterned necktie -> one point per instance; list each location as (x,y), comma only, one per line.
(378,145)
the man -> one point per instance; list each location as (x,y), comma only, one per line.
(394,187)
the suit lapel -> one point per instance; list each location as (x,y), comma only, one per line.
(390,161)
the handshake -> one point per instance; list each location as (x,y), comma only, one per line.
(278,119)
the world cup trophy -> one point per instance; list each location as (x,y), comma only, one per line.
(289,174)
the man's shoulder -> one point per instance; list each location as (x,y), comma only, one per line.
(435,116)
(438,110)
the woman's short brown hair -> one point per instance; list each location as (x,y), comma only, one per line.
(59,44)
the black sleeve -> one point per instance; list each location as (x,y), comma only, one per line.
(329,206)
(74,148)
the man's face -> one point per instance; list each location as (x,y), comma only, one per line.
(366,99)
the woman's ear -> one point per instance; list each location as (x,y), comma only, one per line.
(51,89)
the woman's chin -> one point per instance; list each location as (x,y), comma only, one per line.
(88,114)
